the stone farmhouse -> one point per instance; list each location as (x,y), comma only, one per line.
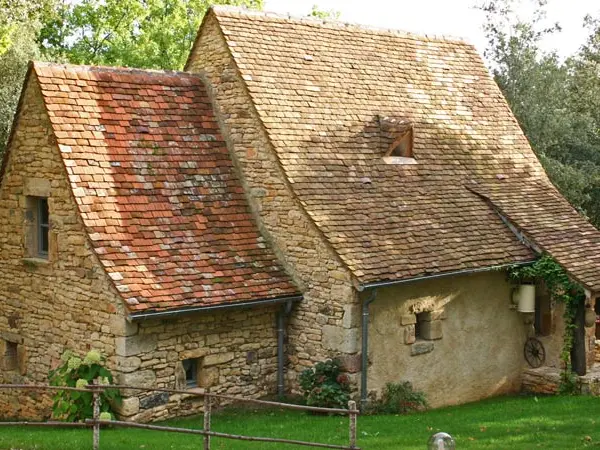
(304,190)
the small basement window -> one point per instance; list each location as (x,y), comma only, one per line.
(38,218)
(190,366)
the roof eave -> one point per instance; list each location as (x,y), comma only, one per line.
(137,317)
(500,267)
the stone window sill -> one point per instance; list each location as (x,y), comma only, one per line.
(191,391)
(420,347)
(36,261)
(196,390)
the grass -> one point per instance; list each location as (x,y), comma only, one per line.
(500,423)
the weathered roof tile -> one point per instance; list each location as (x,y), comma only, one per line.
(322,116)
(164,210)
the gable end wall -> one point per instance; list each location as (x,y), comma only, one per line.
(67,302)
(327,322)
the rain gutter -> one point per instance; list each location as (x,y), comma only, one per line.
(136,317)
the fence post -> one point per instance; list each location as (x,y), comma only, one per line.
(352,415)
(207,411)
(96,396)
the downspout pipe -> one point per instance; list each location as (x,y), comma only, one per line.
(282,314)
(365,348)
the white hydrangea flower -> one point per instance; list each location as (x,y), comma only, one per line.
(92,357)
(105,416)
(74,363)
(81,383)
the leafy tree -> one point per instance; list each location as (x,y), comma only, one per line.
(13,66)
(324,14)
(555,102)
(14,14)
(133,33)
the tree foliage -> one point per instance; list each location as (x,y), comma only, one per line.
(556,102)
(331,14)
(16,14)
(133,33)
(13,66)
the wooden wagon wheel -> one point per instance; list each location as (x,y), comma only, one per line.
(534,352)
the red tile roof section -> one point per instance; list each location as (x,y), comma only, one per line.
(320,89)
(156,188)
(547,220)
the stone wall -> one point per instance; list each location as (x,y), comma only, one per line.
(470,343)
(327,322)
(236,351)
(46,305)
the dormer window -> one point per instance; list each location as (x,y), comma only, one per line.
(398,134)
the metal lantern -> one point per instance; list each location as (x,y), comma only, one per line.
(526,298)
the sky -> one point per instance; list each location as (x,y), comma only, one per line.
(456,18)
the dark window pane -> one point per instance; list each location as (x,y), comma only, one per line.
(43,226)
(43,237)
(189,365)
(43,211)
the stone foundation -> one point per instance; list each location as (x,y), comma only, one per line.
(546,380)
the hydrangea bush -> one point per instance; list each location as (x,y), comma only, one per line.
(75,406)
(325,386)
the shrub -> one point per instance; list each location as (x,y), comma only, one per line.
(324,385)
(400,398)
(75,406)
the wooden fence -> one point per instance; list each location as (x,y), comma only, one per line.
(96,423)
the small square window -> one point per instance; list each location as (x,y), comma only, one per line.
(190,366)
(11,356)
(38,218)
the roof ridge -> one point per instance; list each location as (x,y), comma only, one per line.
(237,11)
(114,69)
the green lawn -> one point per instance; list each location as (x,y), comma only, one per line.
(501,423)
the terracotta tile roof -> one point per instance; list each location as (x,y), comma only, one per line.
(321,90)
(546,220)
(156,188)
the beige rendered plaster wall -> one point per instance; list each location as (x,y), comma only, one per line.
(47,306)
(327,322)
(479,354)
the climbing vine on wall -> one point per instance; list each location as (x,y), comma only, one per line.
(562,289)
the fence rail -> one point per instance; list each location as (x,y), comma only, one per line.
(95,423)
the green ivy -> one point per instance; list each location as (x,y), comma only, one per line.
(76,406)
(564,290)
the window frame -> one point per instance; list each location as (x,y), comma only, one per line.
(191,381)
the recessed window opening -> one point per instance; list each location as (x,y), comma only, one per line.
(402,147)
(10,356)
(398,133)
(190,366)
(419,326)
(38,229)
